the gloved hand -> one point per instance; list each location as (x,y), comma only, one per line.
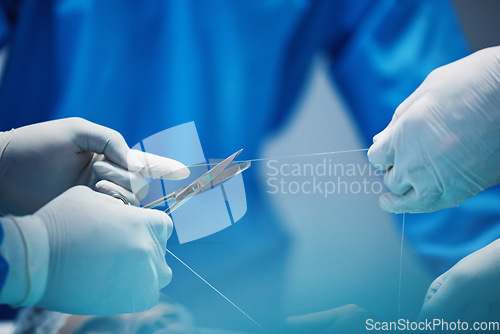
(348,319)
(38,162)
(443,143)
(115,179)
(88,253)
(469,290)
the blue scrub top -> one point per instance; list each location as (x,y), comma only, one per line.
(235,68)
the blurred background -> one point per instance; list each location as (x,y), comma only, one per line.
(348,239)
(480,22)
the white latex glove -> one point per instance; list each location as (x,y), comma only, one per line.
(443,143)
(469,291)
(348,319)
(115,179)
(87,253)
(38,162)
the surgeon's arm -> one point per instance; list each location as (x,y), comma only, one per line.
(382,51)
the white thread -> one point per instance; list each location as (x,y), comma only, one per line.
(291,156)
(220,293)
(401,266)
(309,154)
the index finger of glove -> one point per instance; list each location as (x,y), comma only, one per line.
(134,182)
(155,166)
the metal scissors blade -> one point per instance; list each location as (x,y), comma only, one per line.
(217,174)
(227,174)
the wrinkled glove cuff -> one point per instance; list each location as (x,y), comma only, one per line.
(36,245)
(5,138)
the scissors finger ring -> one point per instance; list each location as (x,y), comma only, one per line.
(121,198)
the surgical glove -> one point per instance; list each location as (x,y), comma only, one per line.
(348,319)
(38,162)
(443,143)
(469,290)
(115,179)
(87,253)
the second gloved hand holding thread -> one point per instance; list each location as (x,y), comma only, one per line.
(443,143)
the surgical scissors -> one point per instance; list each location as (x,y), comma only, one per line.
(214,176)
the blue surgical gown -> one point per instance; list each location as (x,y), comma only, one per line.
(235,68)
